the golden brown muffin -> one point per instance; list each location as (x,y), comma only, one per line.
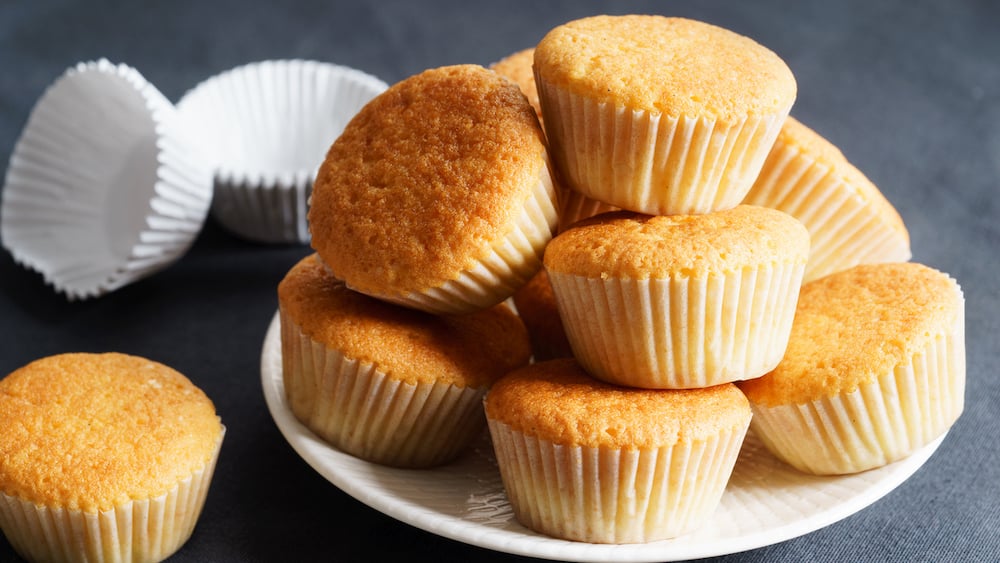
(536,305)
(437,195)
(874,369)
(850,221)
(517,68)
(97,438)
(623,459)
(404,387)
(659,115)
(679,301)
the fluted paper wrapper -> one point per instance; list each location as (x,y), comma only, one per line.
(653,163)
(268,126)
(879,423)
(604,495)
(685,332)
(362,411)
(509,264)
(574,207)
(844,229)
(141,530)
(105,185)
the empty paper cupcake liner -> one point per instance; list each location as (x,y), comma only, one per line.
(359,409)
(105,186)
(267,127)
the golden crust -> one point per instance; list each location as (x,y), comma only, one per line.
(518,68)
(557,401)
(670,66)
(425,179)
(536,305)
(631,245)
(408,345)
(811,144)
(856,325)
(93,431)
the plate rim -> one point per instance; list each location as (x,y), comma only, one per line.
(526,542)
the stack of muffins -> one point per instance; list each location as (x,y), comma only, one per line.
(675,202)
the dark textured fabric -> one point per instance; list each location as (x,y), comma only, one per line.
(910,91)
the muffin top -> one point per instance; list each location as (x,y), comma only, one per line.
(408,345)
(425,179)
(857,325)
(558,401)
(630,245)
(93,431)
(670,66)
(518,68)
(807,142)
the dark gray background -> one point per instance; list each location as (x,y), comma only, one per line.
(910,91)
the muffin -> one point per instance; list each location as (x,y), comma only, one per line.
(103,457)
(849,220)
(389,384)
(517,68)
(679,301)
(659,115)
(536,305)
(875,369)
(587,461)
(437,195)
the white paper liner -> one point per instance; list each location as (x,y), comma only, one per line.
(149,529)
(267,126)
(362,411)
(604,495)
(682,332)
(509,264)
(574,206)
(879,423)
(652,163)
(844,228)
(105,186)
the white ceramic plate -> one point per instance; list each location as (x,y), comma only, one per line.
(766,501)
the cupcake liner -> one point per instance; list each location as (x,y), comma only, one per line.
(509,264)
(360,410)
(149,529)
(105,186)
(844,229)
(267,126)
(682,332)
(603,495)
(574,206)
(877,424)
(652,163)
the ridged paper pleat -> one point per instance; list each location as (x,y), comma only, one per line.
(682,332)
(652,163)
(362,411)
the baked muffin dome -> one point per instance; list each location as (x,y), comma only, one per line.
(679,301)
(590,461)
(404,386)
(92,441)
(659,115)
(437,195)
(874,369)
